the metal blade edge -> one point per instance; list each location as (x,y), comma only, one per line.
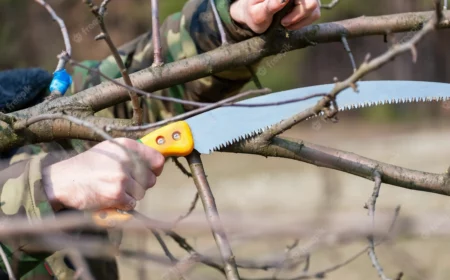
(224,126)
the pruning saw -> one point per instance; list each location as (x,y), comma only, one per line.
(216,129)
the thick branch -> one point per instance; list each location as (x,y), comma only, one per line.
(240,54)
(347,162)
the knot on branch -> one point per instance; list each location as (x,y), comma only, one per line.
(8,137)
(329,108)
(7,119)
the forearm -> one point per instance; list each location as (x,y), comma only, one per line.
(23,196)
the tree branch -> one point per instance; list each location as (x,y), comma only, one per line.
(7,264)
(156,36)
(240,54)
(62,60)
(371,207)
(212,215)
(348,162)
(99,13)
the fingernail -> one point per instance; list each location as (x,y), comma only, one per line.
(284,23)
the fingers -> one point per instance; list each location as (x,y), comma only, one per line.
(256,14)
(154,158)
(144,174)
(133,180)
(137,187)
(274,6)
(304,13)
(305,22)
(125,202)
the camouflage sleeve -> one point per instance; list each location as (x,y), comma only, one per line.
(22,195)
(185,34)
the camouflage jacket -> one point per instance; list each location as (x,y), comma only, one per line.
(184,34)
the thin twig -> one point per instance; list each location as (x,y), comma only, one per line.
(194,255)
(43,117)
(254,77)
(324,105)
(82,270)
(307,263)
(181,167)
(164,246)
(191,113)
(349,51)
(62,59)
(156,36)
(190,210)
(102,9)
(212,214)
(342,227)
(374,260)
(323,273)
(182,243)
(99,14)
(88,246)
(225,102)
(223,36)
(289,248)
(7,264)
(371,207)
(194,103)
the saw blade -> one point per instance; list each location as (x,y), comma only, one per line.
(224,126)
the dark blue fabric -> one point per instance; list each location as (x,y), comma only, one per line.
(20,87)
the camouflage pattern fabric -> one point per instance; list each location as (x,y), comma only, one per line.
(187,33)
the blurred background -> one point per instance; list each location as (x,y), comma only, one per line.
(413,136)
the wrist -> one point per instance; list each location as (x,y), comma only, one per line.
(50,181)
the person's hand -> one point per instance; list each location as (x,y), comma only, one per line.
(103,177)
(258,14)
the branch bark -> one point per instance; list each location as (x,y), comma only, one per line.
(212,215)
(348,162)
(240,54)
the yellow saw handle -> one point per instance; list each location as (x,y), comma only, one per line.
(171,140)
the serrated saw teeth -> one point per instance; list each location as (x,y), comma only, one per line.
(225,126)
(237,139)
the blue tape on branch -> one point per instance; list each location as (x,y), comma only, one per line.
(61,81)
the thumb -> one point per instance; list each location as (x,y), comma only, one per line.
(274,6)
(126,203)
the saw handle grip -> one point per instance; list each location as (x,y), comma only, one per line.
(173,140)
